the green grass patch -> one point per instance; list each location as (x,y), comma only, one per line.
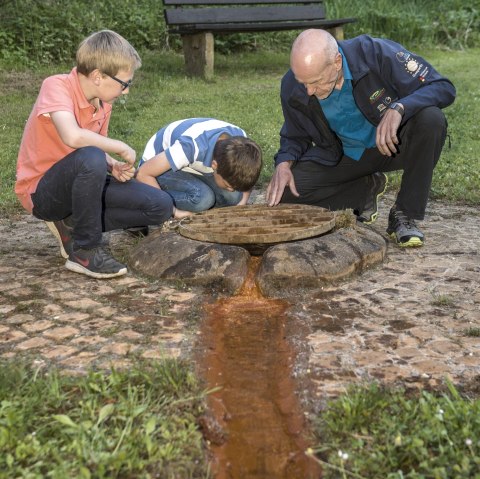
(457,175)
(380,433)
(140,423)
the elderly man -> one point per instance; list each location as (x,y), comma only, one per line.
(353,110)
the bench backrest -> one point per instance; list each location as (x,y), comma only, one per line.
(231,11)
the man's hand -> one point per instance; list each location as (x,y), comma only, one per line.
(386,138)
(282,177)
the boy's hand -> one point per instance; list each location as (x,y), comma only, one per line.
(122,171)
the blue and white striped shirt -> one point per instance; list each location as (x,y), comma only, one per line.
(188,144)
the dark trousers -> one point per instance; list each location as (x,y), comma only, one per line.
(346,185)
(79,186)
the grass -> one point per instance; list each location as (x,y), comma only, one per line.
(140,423)
(472,332)
(457,175)
(376,433)
(245,91)
(442,300)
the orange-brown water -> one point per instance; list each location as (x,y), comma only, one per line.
(247,356)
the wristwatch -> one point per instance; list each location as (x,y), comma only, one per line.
(396,106)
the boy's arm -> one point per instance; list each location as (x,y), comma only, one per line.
(76,137)
(148,172)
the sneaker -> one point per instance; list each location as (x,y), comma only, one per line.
(403,230)
(63,233)
(378,186)
(138,231)
(96,262)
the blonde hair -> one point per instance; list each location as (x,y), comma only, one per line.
(108,52)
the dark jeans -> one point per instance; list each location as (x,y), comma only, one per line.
(346,185)
(79,186)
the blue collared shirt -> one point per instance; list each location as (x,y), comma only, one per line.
(346,120)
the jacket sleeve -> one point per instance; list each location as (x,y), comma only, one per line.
(294,139)
(418,84)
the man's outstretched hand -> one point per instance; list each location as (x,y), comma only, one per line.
(281,178)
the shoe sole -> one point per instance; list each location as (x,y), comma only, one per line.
(78,268)
(374,217)
(414,242)
(55,233)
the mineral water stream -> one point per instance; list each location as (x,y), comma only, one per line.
(246,355)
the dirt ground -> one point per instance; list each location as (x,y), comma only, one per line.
(414,320)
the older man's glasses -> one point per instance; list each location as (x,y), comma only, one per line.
(125,84)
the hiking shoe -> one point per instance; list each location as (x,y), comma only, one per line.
(96,262)
(378,186)
(63,233)
(403,230)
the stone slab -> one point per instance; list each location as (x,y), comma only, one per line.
(314,262)
(170,256)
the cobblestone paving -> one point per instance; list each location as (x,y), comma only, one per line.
(52,316)
(415,320)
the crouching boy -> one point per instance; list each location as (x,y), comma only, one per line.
(202,163)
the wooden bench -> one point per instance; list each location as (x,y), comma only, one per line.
(198,20)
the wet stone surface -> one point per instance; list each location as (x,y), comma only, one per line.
(51,316)
(413,319)
(316,262)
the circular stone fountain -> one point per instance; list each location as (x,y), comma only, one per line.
(301,247)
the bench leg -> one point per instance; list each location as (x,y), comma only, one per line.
(336,32)
(198,53)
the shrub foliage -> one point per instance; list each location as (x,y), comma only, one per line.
(46,31)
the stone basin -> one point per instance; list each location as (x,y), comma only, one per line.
(289,261)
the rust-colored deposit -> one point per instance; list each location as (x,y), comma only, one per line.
(255,425)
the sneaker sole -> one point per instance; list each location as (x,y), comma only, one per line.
(374,217)
(414,242)
(55,233)
(78,268)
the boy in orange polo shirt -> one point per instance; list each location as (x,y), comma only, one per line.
(65,174)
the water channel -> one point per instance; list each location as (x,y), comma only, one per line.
(247,357)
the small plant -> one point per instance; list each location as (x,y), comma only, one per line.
(345,219)
(472,332)
(442,300)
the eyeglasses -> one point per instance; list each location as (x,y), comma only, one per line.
(125,84)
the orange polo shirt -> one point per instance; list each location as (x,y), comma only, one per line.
(41,145)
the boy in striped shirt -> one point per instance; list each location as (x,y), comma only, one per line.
(202,163)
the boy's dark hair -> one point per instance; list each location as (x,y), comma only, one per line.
(239,161)
(108,52)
